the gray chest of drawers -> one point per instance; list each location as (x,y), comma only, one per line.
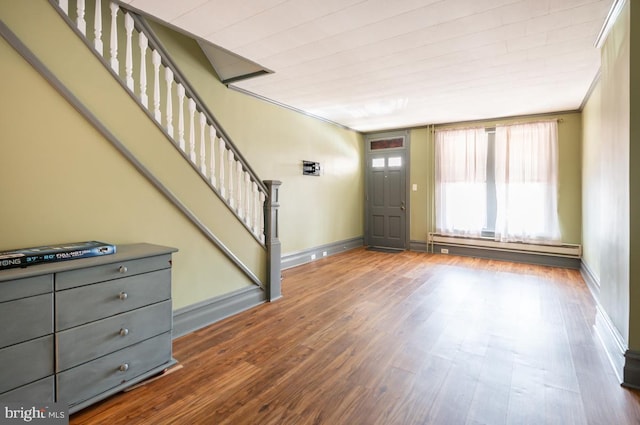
(78,331)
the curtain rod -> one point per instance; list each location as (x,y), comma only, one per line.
(447,127)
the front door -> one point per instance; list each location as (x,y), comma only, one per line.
(386,192)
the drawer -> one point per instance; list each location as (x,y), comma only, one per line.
(26,362)
(27,287)
(86,276)
(90,379)
(83,343)
(26,318)
(38,391)
(88,303)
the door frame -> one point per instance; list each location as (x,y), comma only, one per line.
(368,153)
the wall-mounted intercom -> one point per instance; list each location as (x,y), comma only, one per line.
(310,168)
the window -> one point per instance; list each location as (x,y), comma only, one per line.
(461,181)
(501,184)
(526,182)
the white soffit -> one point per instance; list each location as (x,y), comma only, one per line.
(379,64)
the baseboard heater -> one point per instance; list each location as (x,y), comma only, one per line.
(559,250)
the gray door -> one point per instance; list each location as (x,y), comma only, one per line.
(386,198)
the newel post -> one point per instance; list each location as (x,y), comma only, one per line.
(271,230)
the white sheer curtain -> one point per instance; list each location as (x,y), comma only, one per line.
(527,182)
(461,181)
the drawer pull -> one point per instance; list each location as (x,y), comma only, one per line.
(124,367)
(123,269)
(123,295)
(124,332)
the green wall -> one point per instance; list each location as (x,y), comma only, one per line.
(68,183)
(422,157)
(314,210)
(592,207)
(614,153)
(569,174)
(611,186)
(634,176)
(275,140)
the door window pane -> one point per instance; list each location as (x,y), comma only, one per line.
(377,163)
(396,142)
(395,161)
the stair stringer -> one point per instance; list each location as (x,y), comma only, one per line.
(98,92)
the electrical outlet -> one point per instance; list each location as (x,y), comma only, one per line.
(324,253)
(444,250)
(313,256)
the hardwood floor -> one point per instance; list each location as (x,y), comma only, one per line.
(410,338)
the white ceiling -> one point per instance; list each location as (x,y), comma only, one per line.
(381,64)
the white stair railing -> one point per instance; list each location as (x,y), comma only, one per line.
(234,182)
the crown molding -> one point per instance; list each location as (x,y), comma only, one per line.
(614,12)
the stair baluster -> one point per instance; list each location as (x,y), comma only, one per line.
(143,44)
(168,76)
(240,180)
(221,152)
(113,41)
(248,193)
(128,63)
(192,130)
(156,60)
(212,159)
(97,31)
(232,201)
(203,149)
(228,173)
(181,141)
(259,224)
(81,22)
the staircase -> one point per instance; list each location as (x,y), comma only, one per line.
(172,103)
(126,45)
